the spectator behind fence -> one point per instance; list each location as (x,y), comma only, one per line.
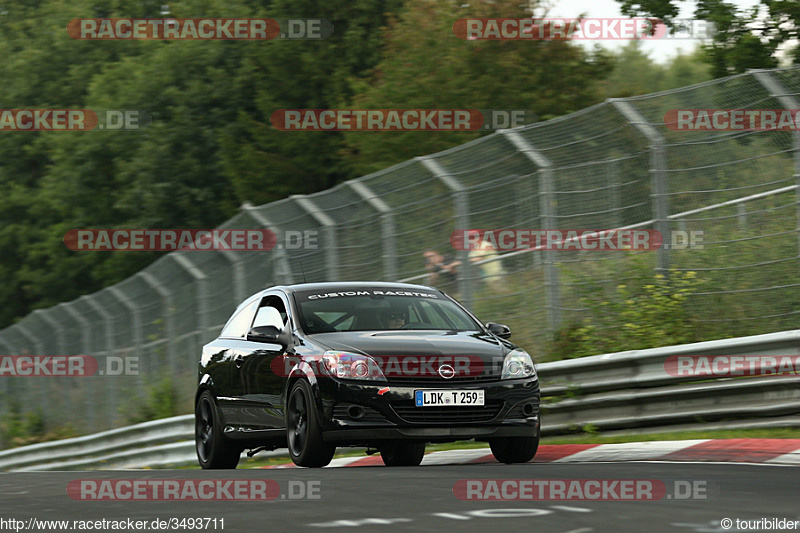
(442,270)
(492,272)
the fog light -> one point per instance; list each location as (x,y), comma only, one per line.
(355,412)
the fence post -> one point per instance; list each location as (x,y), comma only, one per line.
(659,185)
(613,176)
(32,338)
(109,342)
(239,283)
(547,205)
(239,289)
(387,227)
(56,410)
(282,269)
(8,351)
(789,101)
(86,348)
(169,317)
(59,332)
(136,313)
(461,203)
(322,218)
(202,294)
(4,388)
(85,327)
(39,347)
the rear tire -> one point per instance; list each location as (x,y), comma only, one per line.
(514,449)
(403,453)
(214,451)
(303,434)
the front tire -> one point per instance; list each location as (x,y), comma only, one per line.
(514,449)
(303,434)
(214,451)
(403,453)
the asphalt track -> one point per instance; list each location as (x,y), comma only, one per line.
(421,498)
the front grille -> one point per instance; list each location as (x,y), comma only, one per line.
(437,380)
(444,415)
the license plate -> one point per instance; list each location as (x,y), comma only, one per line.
(447,398)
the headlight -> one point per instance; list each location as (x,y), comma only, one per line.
(347,365)
(518,364)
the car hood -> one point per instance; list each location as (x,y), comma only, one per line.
(417,343)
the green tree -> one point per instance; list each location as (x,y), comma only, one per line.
(426,66)
(635,72)
(199,159)
(265,164)
(744,39)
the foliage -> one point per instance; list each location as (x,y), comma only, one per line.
(210,146)
(550,78)
(636,73)
(160,401)
(20,428)
(744,39)
(631,318)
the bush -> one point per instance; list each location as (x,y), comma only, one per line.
(20,428)
(632,318)
(161,401)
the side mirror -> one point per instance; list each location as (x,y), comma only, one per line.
(272,334)
(501,330)
(263,334)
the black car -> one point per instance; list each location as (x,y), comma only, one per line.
(388,366)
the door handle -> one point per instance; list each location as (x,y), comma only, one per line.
(239,361)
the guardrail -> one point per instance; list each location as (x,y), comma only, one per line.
(633,390)
(159,443)
(625,391)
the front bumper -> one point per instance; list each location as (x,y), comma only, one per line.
(363,412)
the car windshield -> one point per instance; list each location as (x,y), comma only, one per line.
(368,309)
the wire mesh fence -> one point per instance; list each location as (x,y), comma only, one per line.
(614,165)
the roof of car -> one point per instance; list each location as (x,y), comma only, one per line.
(349,285)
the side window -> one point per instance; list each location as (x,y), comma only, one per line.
(240,323)
(271,312)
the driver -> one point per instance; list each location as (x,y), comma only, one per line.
(394,319)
